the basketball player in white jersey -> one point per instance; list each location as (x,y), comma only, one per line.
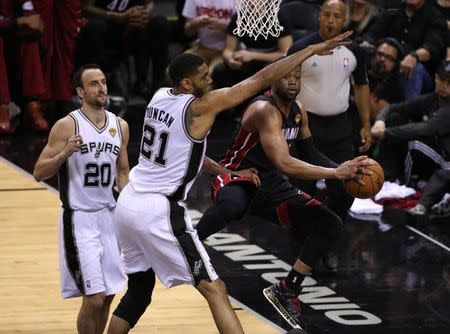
(155,230)
(88,150)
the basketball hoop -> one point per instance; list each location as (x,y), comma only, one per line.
(257,17)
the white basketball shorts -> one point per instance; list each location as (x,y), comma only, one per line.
(89,255)
(158,233)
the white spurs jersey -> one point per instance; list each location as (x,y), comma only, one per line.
(170,158)
(86,178)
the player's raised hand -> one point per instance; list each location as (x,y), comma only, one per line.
(73,145)
(325,48)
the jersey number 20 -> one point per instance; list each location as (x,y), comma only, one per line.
(148,143)
(97,175)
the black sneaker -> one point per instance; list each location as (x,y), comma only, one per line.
(285,302)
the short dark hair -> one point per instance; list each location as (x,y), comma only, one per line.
(79,73)
(443,70)
(392,42)
(183,66)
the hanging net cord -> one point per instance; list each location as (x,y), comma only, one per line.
(257,18)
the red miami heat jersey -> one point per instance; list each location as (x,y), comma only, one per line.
(247,151)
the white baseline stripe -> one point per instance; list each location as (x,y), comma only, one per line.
(428,237)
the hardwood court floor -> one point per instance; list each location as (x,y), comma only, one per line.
(29,278)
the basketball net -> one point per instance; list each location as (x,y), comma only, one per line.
(257,18)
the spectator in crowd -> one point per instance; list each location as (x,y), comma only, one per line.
(444,7)
(118,28)
(240,63)
(421,30)
(424,122)
(385,84)
(22,32)
(361,15)
(208,19)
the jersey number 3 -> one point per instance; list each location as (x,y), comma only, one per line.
(148,143)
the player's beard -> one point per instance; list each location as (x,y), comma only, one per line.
(97,102)
(197,91)
(379,69)
(285,95)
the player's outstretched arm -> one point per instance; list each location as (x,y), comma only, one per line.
(62,142)
(222,99)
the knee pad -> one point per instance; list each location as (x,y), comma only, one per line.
(137,298)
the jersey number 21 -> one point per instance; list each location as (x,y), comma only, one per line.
(149,145)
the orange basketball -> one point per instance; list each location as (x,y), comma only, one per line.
(373,183)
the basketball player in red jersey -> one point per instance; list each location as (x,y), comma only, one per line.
(269,124)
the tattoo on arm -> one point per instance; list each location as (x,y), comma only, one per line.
(189,118)
(212,167)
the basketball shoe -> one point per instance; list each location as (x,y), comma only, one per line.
(286,303)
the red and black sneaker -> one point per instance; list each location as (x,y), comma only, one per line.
(286,303)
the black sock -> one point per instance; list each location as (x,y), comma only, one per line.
(293,281)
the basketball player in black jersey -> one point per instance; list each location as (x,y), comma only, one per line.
(270,123)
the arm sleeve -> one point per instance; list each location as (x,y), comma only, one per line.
(412,109)
(360,72)
(232,25)
(409,131)
(439,124)
(309,153)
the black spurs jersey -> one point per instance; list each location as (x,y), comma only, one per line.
(247,151)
